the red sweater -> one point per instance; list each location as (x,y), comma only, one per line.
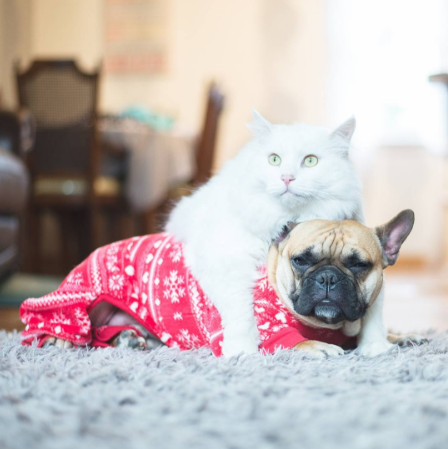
(147,278)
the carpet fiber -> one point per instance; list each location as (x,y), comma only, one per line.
(117,398)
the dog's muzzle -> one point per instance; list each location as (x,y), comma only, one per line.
(329,295)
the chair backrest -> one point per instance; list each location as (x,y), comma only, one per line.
(207,140)
(10,132)
(63,100)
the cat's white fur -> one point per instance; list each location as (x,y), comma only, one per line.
(228,224)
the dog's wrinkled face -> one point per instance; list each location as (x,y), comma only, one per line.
(328,273)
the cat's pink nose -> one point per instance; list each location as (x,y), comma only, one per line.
(287,179)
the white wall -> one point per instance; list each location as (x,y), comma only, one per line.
(409,178)
(67,28)
(272,55)
(15,23)
(258,50)
(294,59)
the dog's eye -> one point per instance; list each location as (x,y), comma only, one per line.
(360,266)
(300,262)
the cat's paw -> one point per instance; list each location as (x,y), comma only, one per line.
(239,345)
(130,339)
(407,339)
(374,348)
(58,343)
(232,348)
(319,349)
(240,338)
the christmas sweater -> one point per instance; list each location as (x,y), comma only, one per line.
(147,278)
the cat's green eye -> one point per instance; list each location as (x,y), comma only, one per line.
(275,159)
(310,161)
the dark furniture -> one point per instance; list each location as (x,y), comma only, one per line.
(207,141)
(65,162)
(205,153)
(14,140)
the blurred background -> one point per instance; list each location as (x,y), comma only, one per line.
(110,110)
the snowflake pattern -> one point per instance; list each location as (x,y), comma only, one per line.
(263,284)
(185,318)
(116,282)
(112,258)
(174,287)
(75,279)
(176,253)
(61,317)
(190,341)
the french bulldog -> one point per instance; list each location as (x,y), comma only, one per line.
(330,275)
(327,274)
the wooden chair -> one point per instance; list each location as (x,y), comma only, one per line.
(205,154)
(206,147)
(207,142)
(65,163)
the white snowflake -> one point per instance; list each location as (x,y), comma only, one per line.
(116,282)
(174,284)
(113,249)
(190,341)
(178,316)
(82,319)
(111,263)
(75,279)
(263,284)
(176,253)
(61,318)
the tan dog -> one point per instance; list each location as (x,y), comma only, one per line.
(330,275)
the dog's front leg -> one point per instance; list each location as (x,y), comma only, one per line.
(372,340)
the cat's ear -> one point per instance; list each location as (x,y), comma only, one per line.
(346,130)
(259,126)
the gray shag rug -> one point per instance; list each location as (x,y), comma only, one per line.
(123,399)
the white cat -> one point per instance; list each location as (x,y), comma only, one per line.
(286,173)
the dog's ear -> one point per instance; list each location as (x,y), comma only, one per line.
(284,234)
(393,234)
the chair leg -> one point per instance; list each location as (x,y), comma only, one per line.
(65,235)
(126,225)
(150,221)
(95,228)
(82,220)
(33,225)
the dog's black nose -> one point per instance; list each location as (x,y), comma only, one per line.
(327,278)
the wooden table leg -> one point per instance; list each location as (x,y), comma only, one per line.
(150,221)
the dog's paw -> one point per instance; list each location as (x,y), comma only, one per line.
(130,339)
(374,348)
(407,339)
(318,349)
(58,343)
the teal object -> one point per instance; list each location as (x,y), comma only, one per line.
(143,115)
(20,286)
